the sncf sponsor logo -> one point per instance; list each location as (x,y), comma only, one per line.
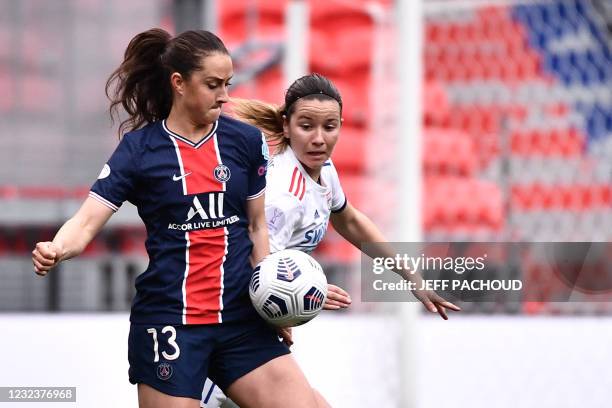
(314,236)
(209,215)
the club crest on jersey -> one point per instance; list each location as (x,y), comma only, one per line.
(164,371)
(222,173)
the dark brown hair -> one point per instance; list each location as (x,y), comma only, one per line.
(269,118)
(141,84)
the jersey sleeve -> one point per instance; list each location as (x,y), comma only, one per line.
(338,198)
(116,181)
(259,163)
(283,212)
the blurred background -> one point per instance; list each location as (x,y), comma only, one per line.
(515,143)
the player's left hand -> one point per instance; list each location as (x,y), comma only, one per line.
(435,303)
(337,298)
(286,335)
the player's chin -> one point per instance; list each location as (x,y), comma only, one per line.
(212,115)
(315,161)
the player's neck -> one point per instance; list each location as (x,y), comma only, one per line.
(184,126)
(314,174)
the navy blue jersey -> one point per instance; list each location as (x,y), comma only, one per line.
(192,198)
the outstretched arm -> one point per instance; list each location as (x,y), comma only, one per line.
(72,237)
(357,228)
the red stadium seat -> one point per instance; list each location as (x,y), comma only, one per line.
(234,20)
(448,152)
(355,91)
(335,53)
(453,203)
(435,102)
(350,154)
(566,143)
(575,197)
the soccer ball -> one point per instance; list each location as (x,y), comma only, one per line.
(288,288)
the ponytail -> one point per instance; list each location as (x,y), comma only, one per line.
(267,117)
(141,83)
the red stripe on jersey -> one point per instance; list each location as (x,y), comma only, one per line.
(303,188)
(299,186)
(207,248)
(295,172)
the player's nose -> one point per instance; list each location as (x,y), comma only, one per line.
(223,96)
(317,137)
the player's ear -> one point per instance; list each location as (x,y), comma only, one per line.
(285,127)
(177,82)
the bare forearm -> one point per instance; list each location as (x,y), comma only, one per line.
(261,245)
(72,238)
(359,229)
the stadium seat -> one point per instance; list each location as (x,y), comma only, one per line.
(455,204)
(448,152)
(556,142)
(350,154)
(334,53)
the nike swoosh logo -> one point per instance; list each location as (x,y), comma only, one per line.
(177,178)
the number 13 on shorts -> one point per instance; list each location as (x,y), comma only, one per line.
(171,342)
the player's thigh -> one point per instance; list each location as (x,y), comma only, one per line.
(278,383)
(321,401)
(149,397)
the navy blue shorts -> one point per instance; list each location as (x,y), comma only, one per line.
(177,359)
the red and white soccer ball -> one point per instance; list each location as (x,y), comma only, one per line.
(288,288)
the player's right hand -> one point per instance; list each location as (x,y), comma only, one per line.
(44,257)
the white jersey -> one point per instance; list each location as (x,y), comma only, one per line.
(297,207)
(297,213)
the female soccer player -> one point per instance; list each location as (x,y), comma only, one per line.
(303,189)
(198,181)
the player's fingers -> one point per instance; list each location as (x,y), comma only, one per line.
(429,305)
(442,312)
(46,250)
(43,260)
(450,306)
(338,290)
(40,270)
(337,303)
(327,306)
(285,334)
(339,297)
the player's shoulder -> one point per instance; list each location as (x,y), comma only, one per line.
(239,128)
(144,137)
(328,171)
(151,133)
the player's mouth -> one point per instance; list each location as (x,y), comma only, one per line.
(317,155)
